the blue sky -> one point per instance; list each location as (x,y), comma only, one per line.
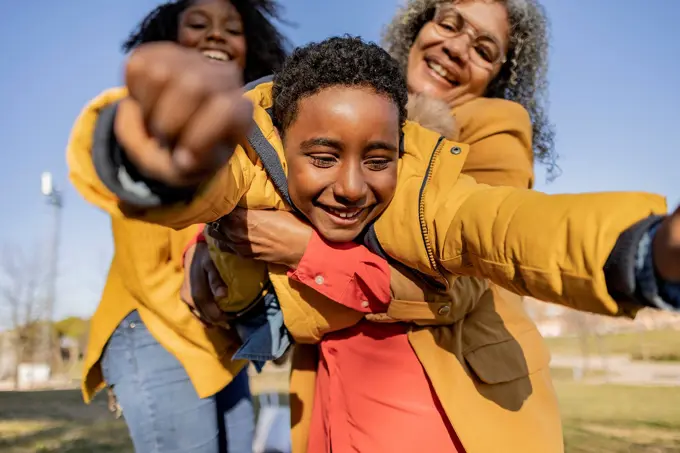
(613,101)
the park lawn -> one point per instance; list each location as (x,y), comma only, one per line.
(619,419)
(59,421)
(597,419)
(654,345)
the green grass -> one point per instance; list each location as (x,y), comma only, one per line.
(59,421)
(567,374)
(597,419)
(652,345)
(619,419)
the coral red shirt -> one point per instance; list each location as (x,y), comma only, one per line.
(372,394)
(346,273)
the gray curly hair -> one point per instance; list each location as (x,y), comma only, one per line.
(523,77)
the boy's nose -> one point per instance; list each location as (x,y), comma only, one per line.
(351,185)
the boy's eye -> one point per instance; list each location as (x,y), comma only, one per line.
(377,164)
(323,161)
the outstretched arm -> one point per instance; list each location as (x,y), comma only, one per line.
(578,250)
(157,145)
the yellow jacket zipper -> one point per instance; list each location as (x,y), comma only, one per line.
(421,212)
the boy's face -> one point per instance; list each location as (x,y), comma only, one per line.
(342,151)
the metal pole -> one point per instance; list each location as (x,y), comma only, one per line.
(54,199)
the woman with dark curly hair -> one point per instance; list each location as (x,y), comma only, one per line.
(172,377)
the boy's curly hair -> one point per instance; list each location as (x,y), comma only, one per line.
(522,79)
(339,61)
(267,47)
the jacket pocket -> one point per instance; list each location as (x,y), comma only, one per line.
(509,359)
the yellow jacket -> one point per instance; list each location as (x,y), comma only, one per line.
(145,275)
(501,133)
(487,363)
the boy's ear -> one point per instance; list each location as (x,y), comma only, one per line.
(432,114)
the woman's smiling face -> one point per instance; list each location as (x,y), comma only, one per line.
(457,54)
(215,28)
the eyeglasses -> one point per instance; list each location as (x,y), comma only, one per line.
(485,50)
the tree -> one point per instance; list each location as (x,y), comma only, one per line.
(23,278)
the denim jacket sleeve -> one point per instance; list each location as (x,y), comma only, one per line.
(654,290)
(630,273)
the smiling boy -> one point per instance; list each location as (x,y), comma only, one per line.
(340,145)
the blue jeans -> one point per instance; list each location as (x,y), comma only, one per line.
(160,405)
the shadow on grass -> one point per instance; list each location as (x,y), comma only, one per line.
(58,421)
(71,438)
(58,405)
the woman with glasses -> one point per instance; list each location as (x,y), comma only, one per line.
(488,60)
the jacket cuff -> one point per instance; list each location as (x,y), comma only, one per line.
(656,291)
(620,270)
(121,177)
(318,269)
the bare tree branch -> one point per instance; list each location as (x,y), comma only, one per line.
(23,278)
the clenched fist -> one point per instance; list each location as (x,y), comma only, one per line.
(184,115)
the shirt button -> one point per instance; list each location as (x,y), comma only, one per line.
(364,304)
(132,325)
(319,280)
(445,310)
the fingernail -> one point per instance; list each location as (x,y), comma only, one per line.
(221,292)
(183,158)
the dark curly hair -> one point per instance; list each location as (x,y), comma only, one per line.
(344,61)
(267,47)
(522,79)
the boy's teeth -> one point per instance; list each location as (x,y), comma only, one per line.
(344,214)
(216,55)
